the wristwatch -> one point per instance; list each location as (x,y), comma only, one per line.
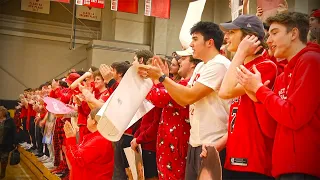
(162,78)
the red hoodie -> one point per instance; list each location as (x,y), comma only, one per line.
(147,133)
(295,105)
(92,158)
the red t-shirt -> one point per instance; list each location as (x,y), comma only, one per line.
(104,95)
(24,112)
(249,146)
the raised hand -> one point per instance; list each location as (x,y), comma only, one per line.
(250,81)
(249,45)
(106,72)
(69,130)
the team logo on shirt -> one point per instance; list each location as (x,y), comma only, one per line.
(195,79)
(282,93)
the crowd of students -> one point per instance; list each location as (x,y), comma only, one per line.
(258,108)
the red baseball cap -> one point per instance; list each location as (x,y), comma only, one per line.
(72,77)
(316,13)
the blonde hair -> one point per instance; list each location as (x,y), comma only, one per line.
(3,111)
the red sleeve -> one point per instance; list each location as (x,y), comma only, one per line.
(137,133)
(23,112)
(160,97)
(65,95)
(268,126)
(303,100)
(87,153)
(151,133)
(84,108)
(105,96)
(112,85)
(55,93)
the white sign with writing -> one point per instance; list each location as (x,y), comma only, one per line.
(125,107)
(38,6)
(84,12)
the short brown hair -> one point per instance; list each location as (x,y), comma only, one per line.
(315,35)
(292,20)
(96,73)
(121,67)
(145,54)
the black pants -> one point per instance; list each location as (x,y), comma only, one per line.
(149,163)
(26,132)
(39,136)
(32,132)
(297,176)
(120,159)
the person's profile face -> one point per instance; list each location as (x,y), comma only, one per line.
(198,45)
(279,40)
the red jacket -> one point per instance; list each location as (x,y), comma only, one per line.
(147,133)
(62,94)
(24,112)
(92,159)
(295,105)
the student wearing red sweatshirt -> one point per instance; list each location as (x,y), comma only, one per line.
(295,102)
(248,150)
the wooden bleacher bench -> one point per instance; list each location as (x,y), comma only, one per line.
(37,168)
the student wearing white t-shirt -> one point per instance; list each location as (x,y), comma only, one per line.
(208,113)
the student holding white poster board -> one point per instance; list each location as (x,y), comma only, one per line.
(208,113)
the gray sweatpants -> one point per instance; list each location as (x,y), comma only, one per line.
(193,162)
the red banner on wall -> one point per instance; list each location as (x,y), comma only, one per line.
(97,4)
(157,8)
(129,6)
(62,1)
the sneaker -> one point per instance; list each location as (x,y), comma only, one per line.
(28,147)
(49,165)
(23,144)
(42,157)
(48,160)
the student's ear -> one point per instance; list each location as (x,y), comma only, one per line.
(295,33)
(210,42)
(141,60)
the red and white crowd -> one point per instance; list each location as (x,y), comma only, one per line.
(247,88)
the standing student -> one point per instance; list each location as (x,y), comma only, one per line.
(295,102)
(247,147)
(208,113)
